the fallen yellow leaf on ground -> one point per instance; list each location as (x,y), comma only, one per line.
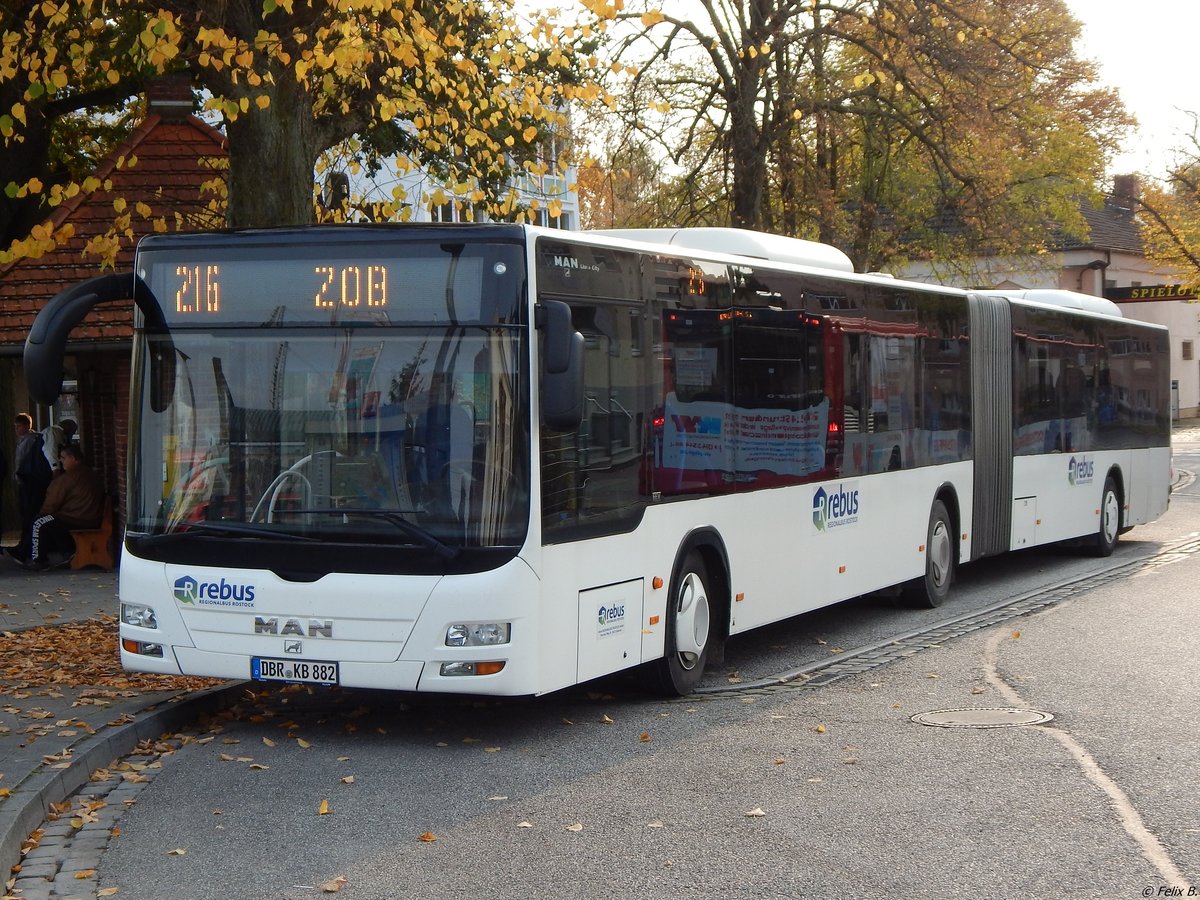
(428,837)
(78,654)
(323,809)
(334,885)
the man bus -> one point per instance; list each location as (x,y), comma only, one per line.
(497,459)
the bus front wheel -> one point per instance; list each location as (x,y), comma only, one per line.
(689,628)
(1109,531)
(931,590)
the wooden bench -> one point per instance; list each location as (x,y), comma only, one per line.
(93,546)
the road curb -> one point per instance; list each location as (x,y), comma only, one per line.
(27,807)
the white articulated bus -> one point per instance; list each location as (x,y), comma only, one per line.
(497,459)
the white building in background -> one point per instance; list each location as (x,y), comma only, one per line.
(1109,263)
(536,193)
(551,200)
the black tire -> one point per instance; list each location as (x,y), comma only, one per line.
(689,629)
(941,558)
(1109,531)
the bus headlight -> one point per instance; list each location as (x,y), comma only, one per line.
(139,615)
(483,634)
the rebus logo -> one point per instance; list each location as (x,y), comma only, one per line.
(191,591)
(836,508)
(1081,471)
(610,614)
(186,589)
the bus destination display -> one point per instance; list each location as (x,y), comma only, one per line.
(315,283)
(198,287)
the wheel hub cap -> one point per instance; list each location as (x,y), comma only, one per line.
(691,621)
(1112,515)
(940,554)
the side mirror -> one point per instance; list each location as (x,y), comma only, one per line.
(46,345)
(562,367)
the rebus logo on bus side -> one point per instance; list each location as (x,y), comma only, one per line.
(836,508)
(1081,471)
(610,620)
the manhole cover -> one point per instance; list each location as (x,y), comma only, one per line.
(986,717)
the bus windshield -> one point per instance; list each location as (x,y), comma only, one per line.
(369,436)
(343,430)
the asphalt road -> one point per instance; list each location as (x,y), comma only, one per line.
(603,792)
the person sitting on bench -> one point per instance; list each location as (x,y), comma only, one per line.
(74,501)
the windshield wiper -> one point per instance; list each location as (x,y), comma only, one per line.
(241,529)
(410,529)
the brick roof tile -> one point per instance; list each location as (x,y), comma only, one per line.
(174,159)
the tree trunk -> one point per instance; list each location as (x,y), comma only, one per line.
(18,163)
(748,157)
(271,161)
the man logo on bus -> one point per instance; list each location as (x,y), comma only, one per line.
(837,508)
(187,589)
(1081,471)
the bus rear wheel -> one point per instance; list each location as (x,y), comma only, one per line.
(931,590)
(689,629)
(1109,531)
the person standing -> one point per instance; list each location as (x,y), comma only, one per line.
(74,500)
(30,470)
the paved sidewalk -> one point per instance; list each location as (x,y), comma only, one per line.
(66,707)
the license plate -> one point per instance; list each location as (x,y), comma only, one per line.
(299,670)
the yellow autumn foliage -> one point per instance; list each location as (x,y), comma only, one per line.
(467,74)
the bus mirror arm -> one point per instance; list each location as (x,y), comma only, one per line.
(46,345)
(562,367)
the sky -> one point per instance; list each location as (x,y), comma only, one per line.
(1146,50)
